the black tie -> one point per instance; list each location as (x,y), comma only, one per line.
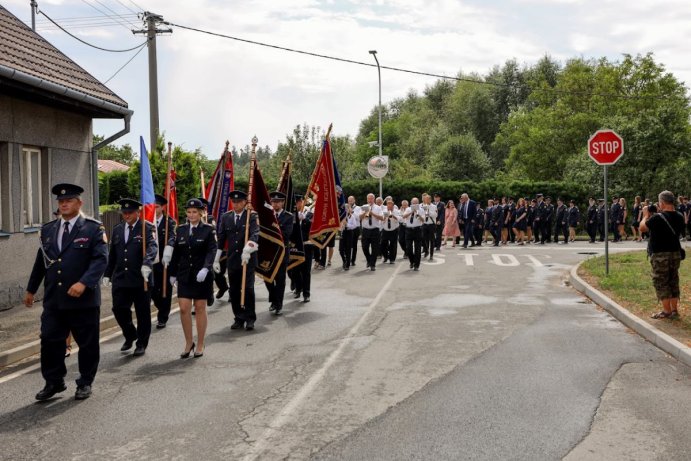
(66,236)
(411,218)
(388,222)
(237,220)
(129,233)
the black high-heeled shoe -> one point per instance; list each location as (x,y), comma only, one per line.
(184,355)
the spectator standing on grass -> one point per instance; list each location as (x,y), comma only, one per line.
(665,228)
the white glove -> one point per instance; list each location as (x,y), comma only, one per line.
(146,271)
(173,280)
(106,281)
(201,275)
(301,216)
(217,262)
(250,247)
(167,255)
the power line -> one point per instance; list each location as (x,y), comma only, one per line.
(409,71)
(125,65)
(114,12)
(86,18)
(104,13)
(87,43)
(126,7)
(137,6)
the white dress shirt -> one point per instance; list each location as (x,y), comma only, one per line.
(374,210)
(62,229)
(391,220)
(416,216)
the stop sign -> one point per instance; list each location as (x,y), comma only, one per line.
(605,147)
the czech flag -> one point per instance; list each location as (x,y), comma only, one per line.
(146,195)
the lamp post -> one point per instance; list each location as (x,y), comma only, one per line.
(374,54)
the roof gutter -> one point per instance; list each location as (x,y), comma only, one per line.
(22,77)
(94,160)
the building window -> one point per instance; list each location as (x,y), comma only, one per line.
(33,170)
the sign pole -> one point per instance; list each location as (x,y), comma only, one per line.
(380,188)
(606,227)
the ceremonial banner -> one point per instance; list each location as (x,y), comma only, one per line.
(322,188)
(146,193)
(271,248)
(172,206)
(296,248)
(220,185)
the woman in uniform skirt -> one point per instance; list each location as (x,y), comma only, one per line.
(520,224)
(191,266)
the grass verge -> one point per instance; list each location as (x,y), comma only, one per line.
(629,284)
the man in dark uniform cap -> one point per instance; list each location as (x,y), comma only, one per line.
(129,267)
(71,260)
(547,220)
(285,221)
(165,254)
(539,214)
(591,220)
(302,273)
(219,277)
(240,253)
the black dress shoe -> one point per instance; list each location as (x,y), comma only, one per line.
(83,393)
(160,325)
(306,299)
(49,391)
(416,268)
(221,292)
(126,346)
(237,325)
(250,325)
(372,268)
(210,301)
(296,295)
(278,310)
(139,351)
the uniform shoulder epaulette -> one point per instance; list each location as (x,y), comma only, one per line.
(95,221)
(50,223)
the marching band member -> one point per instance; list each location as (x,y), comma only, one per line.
(429,226)
(349,234)
(389,232)
(370,219)
(414,218)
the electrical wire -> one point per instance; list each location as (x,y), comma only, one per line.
(103,13)
(410,71)
(127,7)
(115,12)
(137,6)
(125,65)
(87,43)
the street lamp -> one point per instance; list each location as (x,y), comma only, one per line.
(374,54)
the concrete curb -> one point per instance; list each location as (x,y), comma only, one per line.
(662,340)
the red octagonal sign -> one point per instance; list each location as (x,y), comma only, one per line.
(605,147)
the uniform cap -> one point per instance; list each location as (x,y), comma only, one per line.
(160,200)
(277,196)
(238,195)
(539,195)
(129,204)
(298,197)
(66,190)
(205,202)
(194,203)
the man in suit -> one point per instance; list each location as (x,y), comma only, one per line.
(241,253)
(479,224)
(302,273)
(547,220)
(286,221)
(129,269)
(537,221)
(72,257)
(614,218)
(467,215)
(163,222)
(496,222)
(562,223)
(441,216)
(591,220)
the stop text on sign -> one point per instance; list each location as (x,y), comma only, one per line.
(605,147)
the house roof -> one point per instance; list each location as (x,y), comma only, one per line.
(108,166)
(25,51)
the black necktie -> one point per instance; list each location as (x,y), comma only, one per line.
(370,218)
(388,221)
(65,236)
(129,233)
(411,218)
(237,219)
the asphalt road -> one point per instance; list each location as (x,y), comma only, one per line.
(485,353)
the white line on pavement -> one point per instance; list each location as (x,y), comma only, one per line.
(287,411)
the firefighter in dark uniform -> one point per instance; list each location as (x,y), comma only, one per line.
(128,268)
(285,221)
(220,277)
(601,224)
(547,220)
(302,273)
(591,220)
(562,226)
(71,260)
(165,254)
(538,216)
(240,252)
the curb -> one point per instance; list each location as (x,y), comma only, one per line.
(662,340)
(27,350)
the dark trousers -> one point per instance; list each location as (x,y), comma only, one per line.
(615,231)
(413,245)
(123,298)
(302,275)
(591,228)
(220,278)
(546,232)
(401,240)
(345,246)
(277,288)
(235,279)
(428,235)
(477,232)
(562,229)
(56,325)
(537,227)
(438,230)
(468,234)
(389,244)
(370,245)
(161,302)
(601,231)
(495,230)
(353,249)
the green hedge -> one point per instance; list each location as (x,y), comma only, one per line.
(112,187)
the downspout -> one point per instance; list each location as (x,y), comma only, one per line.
(94,160)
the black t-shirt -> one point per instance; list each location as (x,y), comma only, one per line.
(661,236)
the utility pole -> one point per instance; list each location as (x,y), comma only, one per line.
(34,7)
(374,54)
(151,30)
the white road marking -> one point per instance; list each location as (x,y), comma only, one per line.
(468,258)
(306,390)
(533,260)
(498,259)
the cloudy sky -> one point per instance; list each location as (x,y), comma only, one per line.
(212,89)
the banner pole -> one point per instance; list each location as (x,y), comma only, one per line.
(248,208)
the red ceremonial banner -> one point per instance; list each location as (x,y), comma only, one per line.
(325,217)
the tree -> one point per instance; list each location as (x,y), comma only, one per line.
(122,154)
